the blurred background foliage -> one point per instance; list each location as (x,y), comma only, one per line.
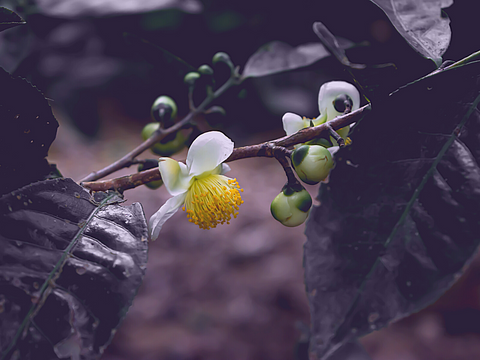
(77,52)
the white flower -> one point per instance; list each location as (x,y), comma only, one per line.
(293,122)
(208,197)
(333,98)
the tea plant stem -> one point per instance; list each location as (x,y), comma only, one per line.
(158,135)
(265,149)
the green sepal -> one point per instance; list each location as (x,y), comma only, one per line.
(290,189)
(299,154)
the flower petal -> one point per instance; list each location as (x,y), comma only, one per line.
(208,151)
(329,91)
(174,175)
(333,149)
(292,123)
(225,169)
(164,213)
(320,119)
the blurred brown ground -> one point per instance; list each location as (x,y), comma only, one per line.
(236,292)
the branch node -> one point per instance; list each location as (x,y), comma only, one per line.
(335,135)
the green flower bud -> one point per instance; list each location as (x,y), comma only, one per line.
(149,129)
(312,163)
(191,78)
(150,164)
(222,57)
(169,145)
(205,70)
(292,205)
(163,109)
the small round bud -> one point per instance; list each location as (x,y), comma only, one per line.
(292,205)
(312,163)
(191,78)
(163,109)
(205,70)
(169,145)
(149,129)
(150,164)
(222,57)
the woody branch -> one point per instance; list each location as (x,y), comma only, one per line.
(266,149)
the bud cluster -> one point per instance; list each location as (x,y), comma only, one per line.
(313,160)
(292,205)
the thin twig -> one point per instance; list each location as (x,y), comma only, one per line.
(301,136)
(335,135)
(157,136)
(266,149)
(291,179)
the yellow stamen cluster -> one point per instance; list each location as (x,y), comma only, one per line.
(213,200)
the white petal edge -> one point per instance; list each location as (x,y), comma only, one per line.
(174,175)
(225,169)
(208,151)
(292,123)
(320,119)
(333,149)
(329,91)
(164,213)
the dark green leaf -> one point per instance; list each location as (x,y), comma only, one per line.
(9,19)
(28,128)
(333,46)
(399,218)
(375,80)
(278,56)
(70,266)
(421,23)
(158,56)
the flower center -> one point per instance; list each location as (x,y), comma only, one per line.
(213,200)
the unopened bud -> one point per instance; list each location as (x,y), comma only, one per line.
(169,145)
(191,78)
(292,205)
(163,109)
(205,70)
(312,163)
(222,57)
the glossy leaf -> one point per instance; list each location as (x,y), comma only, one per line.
(78,8)
(399,218)
(421,23)
(9,19)
(70,266)
(278,56)
(28,128)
